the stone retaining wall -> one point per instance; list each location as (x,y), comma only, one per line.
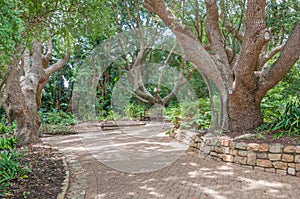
(275,158)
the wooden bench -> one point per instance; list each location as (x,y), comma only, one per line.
(145,116)
(116,125)
(153,114)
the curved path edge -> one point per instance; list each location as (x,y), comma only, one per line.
(191,176)
(75,183)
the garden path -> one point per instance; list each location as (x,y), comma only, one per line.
(142,162)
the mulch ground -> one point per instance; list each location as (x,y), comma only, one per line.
(45,180)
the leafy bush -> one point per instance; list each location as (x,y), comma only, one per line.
(4,129)
(54,129)
(108,115)
(10,167)
(133,110)
(173,114)
(58,117)
(191,114)
(284,117)
(288,119)
(8,143)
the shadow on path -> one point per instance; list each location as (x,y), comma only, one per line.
(188,176)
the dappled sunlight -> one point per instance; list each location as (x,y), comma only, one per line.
(195,174)
(194,164)
(211,174)
(130,194)
(273,191)
(257,184)
(74,149)
(205,169)
(225,173)
(145,187)
(149,180)
(212,193)
(188,176)
(101,196)
(156,194)
(225,167)
(68,141)
(151,191)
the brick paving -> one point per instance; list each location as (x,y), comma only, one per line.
(190,176)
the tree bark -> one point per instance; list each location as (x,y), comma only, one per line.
(28,76)
(242,87)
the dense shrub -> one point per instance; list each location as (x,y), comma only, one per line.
(288,120)
(8,143)
(282,116)
(10,167)
(133,110)
(58,117)
(7,129)
(56,129)
(191,114)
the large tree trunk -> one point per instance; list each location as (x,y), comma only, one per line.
(21,104)
(240,84)
(27,78)
(244,111)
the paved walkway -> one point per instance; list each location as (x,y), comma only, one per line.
(139,162)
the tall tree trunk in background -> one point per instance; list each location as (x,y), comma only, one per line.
(27,78)
(239,78)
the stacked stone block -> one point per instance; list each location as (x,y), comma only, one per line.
(273,158)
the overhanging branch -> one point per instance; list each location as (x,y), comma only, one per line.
(58,65)
(288,57)
(264,58)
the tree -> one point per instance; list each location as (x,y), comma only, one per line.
(238,74)
(133,17)
(27,78)
(32,63)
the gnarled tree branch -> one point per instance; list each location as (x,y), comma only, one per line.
(189,43)
(288,57)
(263,58)
(256,36)
(58,65)
(47,56)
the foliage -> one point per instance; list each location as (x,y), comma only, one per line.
(58,91)
(288,120)
(133,110)
(8,143)
(10,32)
(57,122)
(5,129)
(191,114)
(281,16)
(59,129)
(173,114)
(203,118)
(57,117)
(10,167)
(105,115)
(94,23)
(281,108)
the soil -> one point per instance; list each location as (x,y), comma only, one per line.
(264,138)
(45,180)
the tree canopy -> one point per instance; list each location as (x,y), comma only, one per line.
(235,52)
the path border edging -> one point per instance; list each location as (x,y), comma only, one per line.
(65,184)
(73,168)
